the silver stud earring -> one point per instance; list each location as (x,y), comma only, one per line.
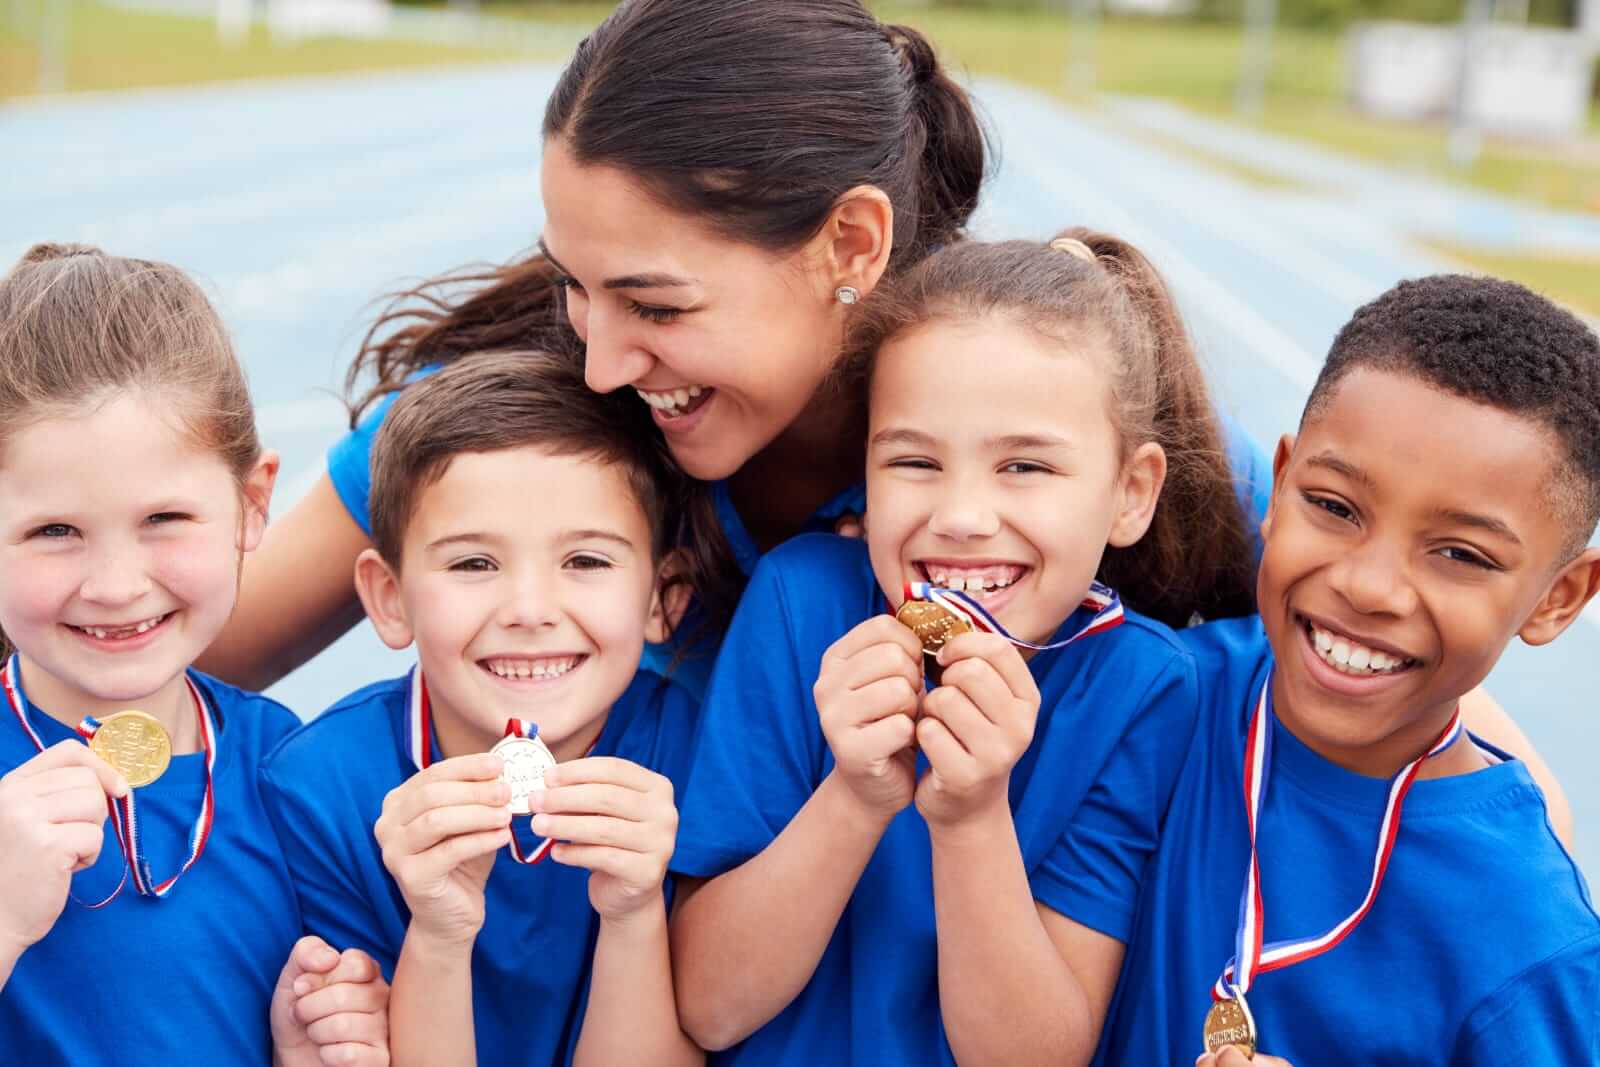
(847,294)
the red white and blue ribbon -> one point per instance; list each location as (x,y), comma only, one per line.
(124,812)
(1102,600)
(1259,958)
(419,746)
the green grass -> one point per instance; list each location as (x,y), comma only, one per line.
(1572,280)
(1195,65)
(108,48)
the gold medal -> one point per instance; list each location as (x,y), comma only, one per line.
(934,626)
(135,744)
(1229,1022)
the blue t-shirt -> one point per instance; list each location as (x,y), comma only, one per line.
(186,978)
(349,468)
(1088,793)
(324,789)
(1481,948)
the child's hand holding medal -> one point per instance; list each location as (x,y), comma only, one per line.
(974,727)
(615,819)
(52,824)
(868,693)
(440,830)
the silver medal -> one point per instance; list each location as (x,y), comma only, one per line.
(526,761)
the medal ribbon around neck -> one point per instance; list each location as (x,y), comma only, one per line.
(1259,958)
(124,814)
(1102,600)
(419,746)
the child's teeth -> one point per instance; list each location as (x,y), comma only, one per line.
(1341,653)
(1380,662)
(1359,658)
(1324,642)
(1351,658)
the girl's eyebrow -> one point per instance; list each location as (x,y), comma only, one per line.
(627,281)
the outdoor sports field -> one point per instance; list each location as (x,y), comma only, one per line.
(299,203)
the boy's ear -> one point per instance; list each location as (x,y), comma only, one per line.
(379,589)
(1573,588)
(669,601)
(257,491)
(1142,478)
(1280,464)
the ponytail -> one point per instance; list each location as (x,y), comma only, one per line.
(949,142)
(1196,558)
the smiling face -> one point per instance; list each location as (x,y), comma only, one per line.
(993,466)
(120,541)
(726,342)
(530,603)
(1411,536)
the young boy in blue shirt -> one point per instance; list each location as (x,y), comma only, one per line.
(521,524)
(1343,875)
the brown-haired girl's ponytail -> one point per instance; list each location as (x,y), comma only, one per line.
(476,309)
(949,142)
(1196,558)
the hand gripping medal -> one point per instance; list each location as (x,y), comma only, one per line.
(936,615)
(137,746)
(527,759)
(1229,1022)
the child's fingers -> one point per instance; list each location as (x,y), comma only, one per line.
(335,999)
(86,804)
(967,723)
(944,751)
(599,830)
(350,1054)
(608,770)
(630,868)
(360,1027)
(883,737)
(879,629)
(451,853)
(979,682)
(882,699)
(595,799)
(351,965)
(73,754)
(883,660)
(436,824)
(310,955)
(999,654)
(419,794)
(81,844)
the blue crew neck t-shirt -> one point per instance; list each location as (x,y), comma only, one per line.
(1481,948)
(349,469)
(324,788)
(186,978)
(1087,794)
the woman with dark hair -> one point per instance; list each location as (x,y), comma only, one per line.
(724,181)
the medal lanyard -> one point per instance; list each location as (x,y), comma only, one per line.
(1102,600)
(124,814)
(1258,958)
(419,746)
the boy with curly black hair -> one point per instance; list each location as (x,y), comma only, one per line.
(1438,500)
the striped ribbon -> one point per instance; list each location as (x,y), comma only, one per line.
(1259,958)
(419,746)
(1102,600)
(124,812)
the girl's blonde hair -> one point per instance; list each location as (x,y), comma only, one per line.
(78,326)
(1197,556)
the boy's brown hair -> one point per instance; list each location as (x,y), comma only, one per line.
(515,399)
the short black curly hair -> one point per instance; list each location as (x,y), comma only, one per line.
(1496,343)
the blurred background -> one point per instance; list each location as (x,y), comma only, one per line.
(1283,161)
